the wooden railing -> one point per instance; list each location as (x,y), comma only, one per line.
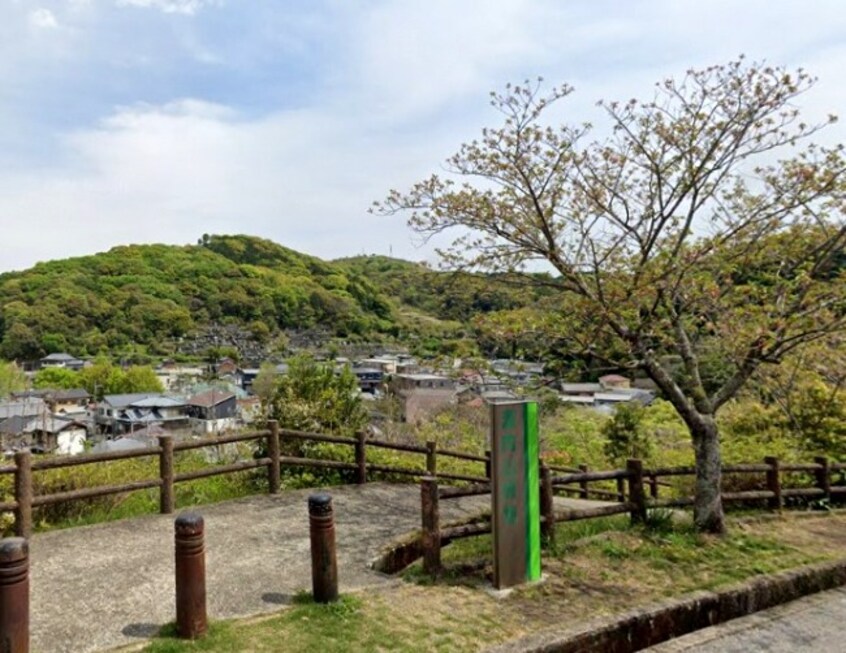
(629,496)
(25,466)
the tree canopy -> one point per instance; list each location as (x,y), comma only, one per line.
(704,232)
(151,294)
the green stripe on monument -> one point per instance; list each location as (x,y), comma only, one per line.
(532,449)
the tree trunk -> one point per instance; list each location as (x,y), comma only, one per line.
(708,505)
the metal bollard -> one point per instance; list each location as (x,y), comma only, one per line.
(324,568)
(191,619)
(14,595)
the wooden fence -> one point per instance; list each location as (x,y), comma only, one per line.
(637,489)
(25,466)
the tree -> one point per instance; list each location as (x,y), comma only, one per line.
(20,342)
(625,435)
(141,378)
(12,378)
(312,397)
(264,386)
(679,236)
(56,377)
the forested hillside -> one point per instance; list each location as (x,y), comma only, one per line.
(149,294)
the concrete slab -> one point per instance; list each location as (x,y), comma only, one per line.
(107,585)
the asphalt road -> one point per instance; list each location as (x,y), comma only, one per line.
(815,624)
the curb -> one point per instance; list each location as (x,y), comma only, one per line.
(658,622)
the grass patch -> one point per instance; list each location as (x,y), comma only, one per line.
(598,567)
(351,624)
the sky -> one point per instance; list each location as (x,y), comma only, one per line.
(158,121)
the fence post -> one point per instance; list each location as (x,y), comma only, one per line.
(23,494)
(190,571)
(166,474)
(431,539)
(583,485)
(546,506)
(823,476)
(488,465)
(621,490)
(653,486)
(361,458)
(432,458)
(14,595)
(637,497)
(774,483)
(274,471)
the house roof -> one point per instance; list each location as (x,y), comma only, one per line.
(69,395)
(613,378)
(576,399)
(59,358)
(121,401)
(210,398)
(158,401)
(422,377)
(578,388)
(643,396)
(56,394)
(27,407)
(13,425)
(20,424)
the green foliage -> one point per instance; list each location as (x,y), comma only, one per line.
(132,504)
(56,377)
(101,378)
(12,378)
(313,397)
(151,294)
(625,435)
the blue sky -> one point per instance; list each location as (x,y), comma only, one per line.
(130,121)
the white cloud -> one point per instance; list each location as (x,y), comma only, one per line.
(187,7)
(382,92)
(43,19)
(171,173)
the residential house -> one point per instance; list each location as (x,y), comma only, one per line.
(612,390)
(62,360)
(248,376)
(369,378)
(44,434)
(225,367)
(213,411)
(59,401)
(388,364)
(128,412)
(174,376)
(614,381)
(581,389)
(422,381)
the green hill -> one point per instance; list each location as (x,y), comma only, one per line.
(149,294)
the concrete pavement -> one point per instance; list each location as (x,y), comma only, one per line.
(814,624)
(107,585)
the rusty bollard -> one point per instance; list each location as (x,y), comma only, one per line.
(191,620)
(14,595)
(324,568)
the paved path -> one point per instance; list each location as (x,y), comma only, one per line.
(97,587)
(813,624)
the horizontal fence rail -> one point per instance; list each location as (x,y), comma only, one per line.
(24,500)
(630,490)
(628,496)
